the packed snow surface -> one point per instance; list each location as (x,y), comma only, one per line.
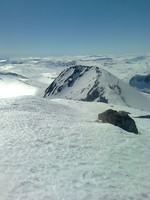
(56,149)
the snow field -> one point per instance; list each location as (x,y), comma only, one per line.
(56,149)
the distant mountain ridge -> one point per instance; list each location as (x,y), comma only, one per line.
(140,81)
(12,74)
(89,83)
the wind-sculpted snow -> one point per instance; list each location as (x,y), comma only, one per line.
(56,149)
(95,84)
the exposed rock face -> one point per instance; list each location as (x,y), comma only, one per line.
(80,83)
(88,83)
(121,119)
(140,81)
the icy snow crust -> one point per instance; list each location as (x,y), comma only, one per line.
(55,149)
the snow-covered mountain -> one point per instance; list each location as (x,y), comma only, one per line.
(88,83)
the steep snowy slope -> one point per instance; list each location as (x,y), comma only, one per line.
(95,84)
(56,149)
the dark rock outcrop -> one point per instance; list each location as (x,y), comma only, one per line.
(120,119)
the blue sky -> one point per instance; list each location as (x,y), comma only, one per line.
(74,27)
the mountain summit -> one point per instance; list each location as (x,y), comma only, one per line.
(89,83)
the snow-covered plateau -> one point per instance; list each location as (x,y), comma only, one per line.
(56,148)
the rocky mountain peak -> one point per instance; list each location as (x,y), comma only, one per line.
(90,83)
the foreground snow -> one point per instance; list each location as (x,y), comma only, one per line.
(56,149)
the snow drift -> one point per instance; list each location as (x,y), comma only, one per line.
(88,83)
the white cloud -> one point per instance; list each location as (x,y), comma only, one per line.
(13,88)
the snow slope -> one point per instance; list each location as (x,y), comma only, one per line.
(56,149)
(95,84)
